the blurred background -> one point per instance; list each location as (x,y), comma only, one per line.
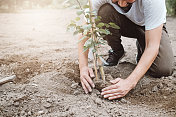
(16,5)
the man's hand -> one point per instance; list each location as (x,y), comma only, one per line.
(86,74)
(119,88)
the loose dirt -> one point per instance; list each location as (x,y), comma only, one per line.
(35,46)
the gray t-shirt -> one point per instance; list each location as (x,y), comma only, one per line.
(148,13)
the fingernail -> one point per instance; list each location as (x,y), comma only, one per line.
(93,85)
(102,93)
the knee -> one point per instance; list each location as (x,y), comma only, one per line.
(162,71)
(105,10)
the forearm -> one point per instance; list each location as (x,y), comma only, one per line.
(144,64)
(83,56)
(153,38)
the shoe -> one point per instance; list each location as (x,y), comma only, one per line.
(114,58)
(139,53)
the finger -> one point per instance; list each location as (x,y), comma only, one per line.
(89,80)
(115,81)
(84,87)
(111,95)
(91,73)
(110,87)
(115,97)
(87,85)
(110,91)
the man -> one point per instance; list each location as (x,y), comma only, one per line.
(141,19)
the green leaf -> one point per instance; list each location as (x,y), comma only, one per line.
(86,6)
(76,32)
(77,18)
(79,12)
(102,59)
(113,25)
(72,22)
(87,16)
(104,31)
(93,51)
(107,25)
(88,43)
(84,37)
(87,27)
(85,49)
(100,25)
(71,26)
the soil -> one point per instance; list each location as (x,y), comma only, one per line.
(35,46)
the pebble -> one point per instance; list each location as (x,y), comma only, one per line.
(49,100)
(76,92)
(40,112)
(98,101)
(29,113)
(16,104)
(174,75)
(47,105)
(170,77)
(155,89)
(124,101)
(74,85)
(160,86)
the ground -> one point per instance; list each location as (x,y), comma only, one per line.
(35,46)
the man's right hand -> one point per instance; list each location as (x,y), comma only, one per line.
(86,74)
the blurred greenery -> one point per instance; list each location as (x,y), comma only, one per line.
(171,7)
(28,4)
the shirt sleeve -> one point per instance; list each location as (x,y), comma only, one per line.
(154,13)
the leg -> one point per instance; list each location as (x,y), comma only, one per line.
(163,64)
(127,28)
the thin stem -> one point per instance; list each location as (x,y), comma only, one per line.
(81,7)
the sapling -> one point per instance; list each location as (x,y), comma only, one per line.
(93,31)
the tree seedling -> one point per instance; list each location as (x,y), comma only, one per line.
(93,31)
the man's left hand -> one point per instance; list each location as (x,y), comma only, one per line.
(119,88)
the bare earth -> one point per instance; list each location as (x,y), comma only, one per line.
(35,46)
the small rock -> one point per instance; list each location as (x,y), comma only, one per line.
(29,113)
(89,106)
(98,101)
(174,75)
(170,77)
(75,85)
(76,92)
(60,99)
(165,97)
(47,105)
(22,112)
(49,100)
(40,112)
(16,104)
(155,89)
(124,101)
(97,92)
(160,86)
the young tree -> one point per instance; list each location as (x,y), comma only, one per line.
(94,31)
